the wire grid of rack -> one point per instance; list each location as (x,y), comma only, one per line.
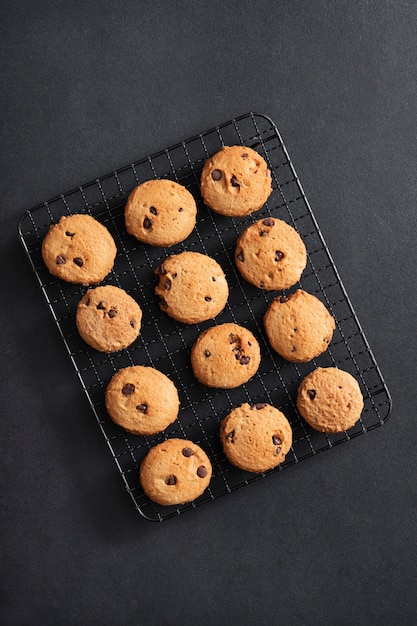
(165,344)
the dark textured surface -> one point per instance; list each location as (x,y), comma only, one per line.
(86,90)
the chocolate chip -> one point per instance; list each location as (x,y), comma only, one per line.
(163,303)
(147,223)
(279,255)
(261,284)
(60,260)
(230,436)
(311,393)
(207,353)
(68,234)
(216,174)
(88,302)
(278,450)
(240,256)
(259,405)
(268,221)
(244,360)
(262,233)
(187,452)
(128,389)
(153,211)
(283,299)
(233,182)
(78,261)
(207,298)
(201,471)
(142,408)
(232,338)
(244,155)
(101,305)
(167,284)
(112,313)
(161,270)
(180,210)
(213,279)
(276,440)
(174,275)
(170,480)
(132,323)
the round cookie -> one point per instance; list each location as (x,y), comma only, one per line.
(192,287)
(235,181)
(160,212)
(108,319)
(142,400)
(78,249)
(256,438)
(298,326)
(225,356)
(270,254)
(175,471)
(330,400)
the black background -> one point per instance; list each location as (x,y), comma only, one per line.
(88,87)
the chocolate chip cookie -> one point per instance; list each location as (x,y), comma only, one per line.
(192,287)
(256,438)
(160,212)
(225,356)
(79,249)
(175,471)
(142,400)
(298,326)
(235,181)
(270,254)
(108,319)
(330,400)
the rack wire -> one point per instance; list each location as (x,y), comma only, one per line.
(165,344)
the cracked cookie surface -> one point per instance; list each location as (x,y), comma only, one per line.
(160,212)
(142,400)
(225,356)
(108,318)
(192,287)
(175,471)
(256,437)
(79,249)
(235,181)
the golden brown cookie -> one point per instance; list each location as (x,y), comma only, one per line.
(235,181)
(142,400)
(78,249)
(330,400)
(256,438)
(225,356)
(175,471)
(270,254)
(192,287)
(108,319)
(160,212)
(298,326)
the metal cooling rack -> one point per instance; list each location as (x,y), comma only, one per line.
(165,344)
